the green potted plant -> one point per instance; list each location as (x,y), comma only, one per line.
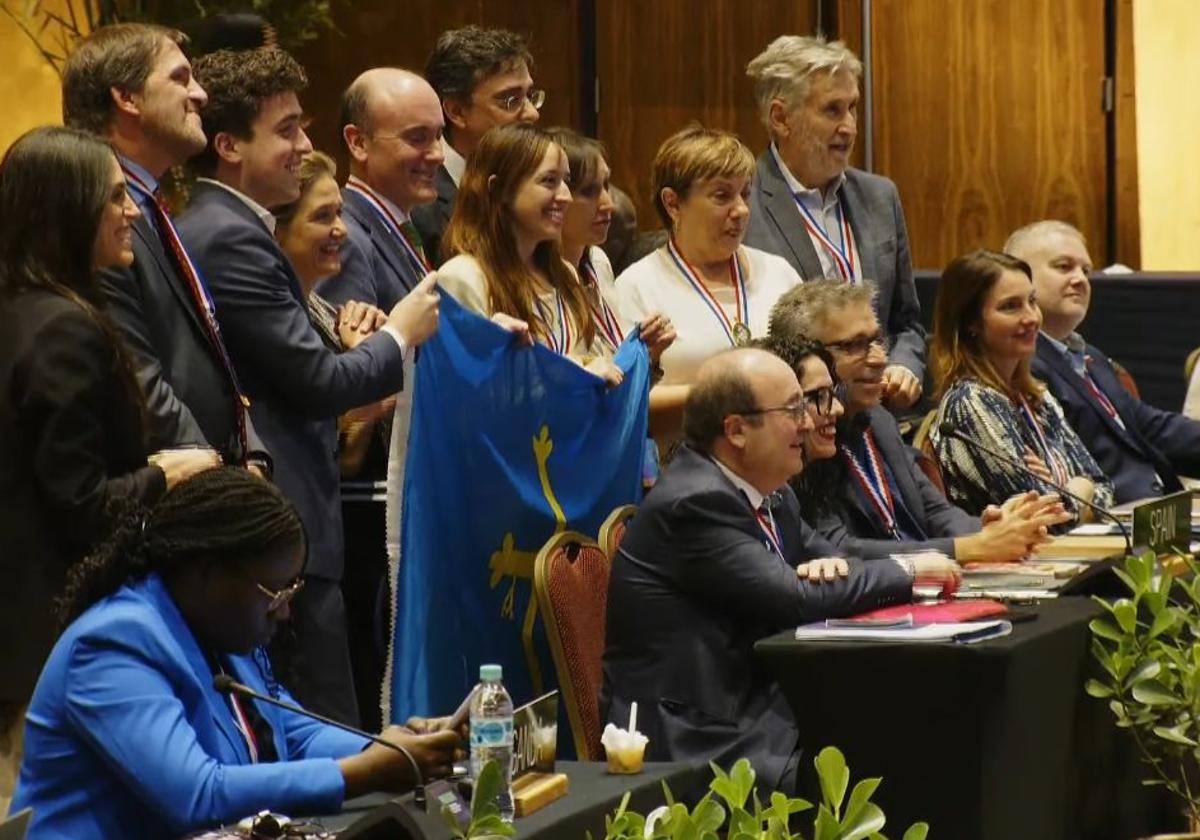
(1148,648)
(732,795)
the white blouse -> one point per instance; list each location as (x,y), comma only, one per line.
(655,284)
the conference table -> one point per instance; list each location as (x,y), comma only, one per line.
(991,741)
(594,793)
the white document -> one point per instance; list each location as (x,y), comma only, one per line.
(964,632)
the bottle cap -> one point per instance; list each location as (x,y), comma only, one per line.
(490,673)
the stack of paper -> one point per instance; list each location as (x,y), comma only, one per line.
(962,632)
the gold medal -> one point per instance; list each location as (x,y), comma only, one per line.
(741,334)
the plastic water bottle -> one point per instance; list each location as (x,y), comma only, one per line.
(492,732)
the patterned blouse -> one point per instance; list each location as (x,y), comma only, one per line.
(975,479)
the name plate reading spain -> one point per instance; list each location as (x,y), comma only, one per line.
(1164,524)
(535,735)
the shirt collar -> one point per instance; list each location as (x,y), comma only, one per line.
(1073,349)
(812,193)
(141,172)
(388,204)
(264,215)
(752,495)
(455,163)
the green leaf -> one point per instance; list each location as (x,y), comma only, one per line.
(869,821)
(826,827)
(491,826)
(1175,735)
(1126,614)
(1105,629)
(1154,693)
(859,797)
(451,822)
(708,816)
(1163,622)
(1145,670)
(487,788)
(735,786)
(834,777)
(917,831)
(1097,689)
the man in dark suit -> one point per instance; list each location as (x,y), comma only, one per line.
(873,500)
(825,218)
(131,84)
(1142,449)
(717,558)
(392,124)
(483,78)
(297,386)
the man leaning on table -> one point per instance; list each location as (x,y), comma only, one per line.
(1142,449)
(717,558)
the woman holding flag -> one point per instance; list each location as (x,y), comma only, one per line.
(717,290)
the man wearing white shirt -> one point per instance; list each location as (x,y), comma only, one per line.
(484,79)
(825,218)
(296,386)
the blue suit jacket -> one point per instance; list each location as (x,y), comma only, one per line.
(375,267)
(296,384)
(855,529)
(692,589)
(872,205)
(1152,440)
(126,737)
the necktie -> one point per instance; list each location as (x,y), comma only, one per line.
(191,279)
(414,239)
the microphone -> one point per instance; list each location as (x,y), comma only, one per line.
(226,684)
(948,430)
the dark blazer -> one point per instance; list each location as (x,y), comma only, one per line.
(70,445)
(297,386)
(872,205)
(1152,440)
(692,589)
(431,219)
(189,395)
(855,530)
(128,738)
(375,267)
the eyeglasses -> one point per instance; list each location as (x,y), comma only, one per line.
(513,102)
(796,411)
(820,400)
(861,346)
(278,598)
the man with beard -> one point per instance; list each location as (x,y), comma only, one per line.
(829,220)
(132,85)
(297,385)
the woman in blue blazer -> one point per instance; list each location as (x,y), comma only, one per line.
(126,736)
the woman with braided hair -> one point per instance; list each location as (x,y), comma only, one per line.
(126,735)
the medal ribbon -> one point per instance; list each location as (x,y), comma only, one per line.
(767,523)
(1104,401)
(871,478)
(560,343)
(843,255)
(1052,460)
(390,222)
(741,303)
(603,315)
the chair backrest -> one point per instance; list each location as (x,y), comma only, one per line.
(612,531)
(927,459)
(1126,379)
(570,580)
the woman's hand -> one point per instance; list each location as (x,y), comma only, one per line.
(657,334)
(1037,466)
(358,320)
(606,370)
(181,464)
(516,326)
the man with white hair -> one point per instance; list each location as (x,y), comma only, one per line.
(825,218)
(1142,449)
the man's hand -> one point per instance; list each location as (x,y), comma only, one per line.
(657,334)
(356,321)
(901,388)
(931,568)
(823,570)
(415,316)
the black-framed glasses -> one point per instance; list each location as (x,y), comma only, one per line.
(796,411)
(819,401)
(513,102)
(278,597)
(861,346)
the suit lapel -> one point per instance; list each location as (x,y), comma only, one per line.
(780,205)
(1063,370)
(143,231)
(854,205)
(382,238)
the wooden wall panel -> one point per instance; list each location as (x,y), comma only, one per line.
(665,63)
(988,116)
(1128,223)
(383,32)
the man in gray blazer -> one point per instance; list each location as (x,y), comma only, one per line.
(483,78)
(873,499)
(718,558)
(829,220)
(132,85)
(296,385)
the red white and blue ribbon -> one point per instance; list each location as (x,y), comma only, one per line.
(871,478)
(1053,462)
(561,342)
(767,523)
(736,277)
(1100,396)
(843,254)
(603,315)
(390,221)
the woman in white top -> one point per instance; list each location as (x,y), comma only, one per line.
(585,228)
(717,292)
(503,246)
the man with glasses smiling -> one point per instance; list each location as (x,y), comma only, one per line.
(483,78)
(880,502)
